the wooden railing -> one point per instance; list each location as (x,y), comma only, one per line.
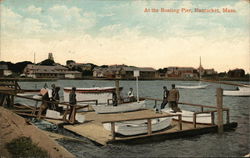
(33,111)
(149,124)
(218,109)
(212,116)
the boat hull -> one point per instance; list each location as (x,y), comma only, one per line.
(242,92)
(192,87)
(101,94)
(187,116)
(133,106)
(129,128)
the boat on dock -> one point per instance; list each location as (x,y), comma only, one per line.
(241,92)
(125,107)
(130,128)
(188,116)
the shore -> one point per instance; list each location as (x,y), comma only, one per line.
(13,126)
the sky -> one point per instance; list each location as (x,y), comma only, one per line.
(106,32)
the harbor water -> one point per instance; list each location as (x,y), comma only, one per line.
(229,144)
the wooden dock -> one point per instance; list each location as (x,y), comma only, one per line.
(93,128)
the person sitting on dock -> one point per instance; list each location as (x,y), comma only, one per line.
(72,102)
(131,95)
(173,99)
(114,99)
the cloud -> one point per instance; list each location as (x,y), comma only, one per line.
(16,25)
(72,17)
(33,10)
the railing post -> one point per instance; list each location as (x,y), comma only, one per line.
(149,127)
(228,118)
(117,91)
(194,120)
(96,102)
(212,118)
(113,130)
(180,122)
(219,99)
(202,109)
(155,103)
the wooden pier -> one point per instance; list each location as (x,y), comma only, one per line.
(93,128)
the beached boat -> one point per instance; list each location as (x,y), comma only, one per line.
(241,92)
(101,94)
(188,116)
(125,107)
(129,128)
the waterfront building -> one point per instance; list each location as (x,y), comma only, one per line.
(123,72)
(182,72)
(42,71)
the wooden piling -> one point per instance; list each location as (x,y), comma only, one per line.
(194,120)
(180,122)
(219,99)
(212,118)
(113,130)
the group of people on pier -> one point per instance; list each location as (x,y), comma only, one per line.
(50,100)
(170,97)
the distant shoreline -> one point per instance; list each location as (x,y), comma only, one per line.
(146,79)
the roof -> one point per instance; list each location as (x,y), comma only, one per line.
(45,67)
(125,68)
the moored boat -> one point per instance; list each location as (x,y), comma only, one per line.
(187,116)
(125,107)
(192,87)
(129,128)
(101,94)
(241,92)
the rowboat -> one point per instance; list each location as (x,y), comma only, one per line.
(101,94)
(192,87)
(129,128)
(126,107)
(187,116)
(241,92)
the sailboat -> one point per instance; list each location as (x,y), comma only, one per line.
(199,86)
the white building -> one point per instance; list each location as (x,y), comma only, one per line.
(42,71)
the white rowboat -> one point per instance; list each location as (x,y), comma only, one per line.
(192,87)
(188,116)
(126,107)
(242,92)
(129,128)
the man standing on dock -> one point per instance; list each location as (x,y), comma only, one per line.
(165,97)
(72,102)
(173,99)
